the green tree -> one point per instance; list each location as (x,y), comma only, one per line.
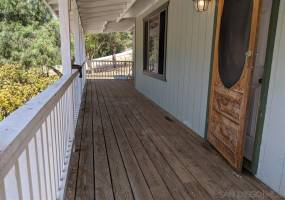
(17,86)
(29,35)
(104,44)
(29,40)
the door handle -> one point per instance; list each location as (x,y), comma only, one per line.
(248,55)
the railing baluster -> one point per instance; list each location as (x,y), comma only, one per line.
(125,72)
(57,131)
(103,65)
(121,72)
(29,173)
(41,163)
(2,191)
(18,178)
(34,169)
(62,130)
(10,185)
(129,70)
(24,174)
(50,156)
(65,127)
(54,147)
(47,160)
(41,191)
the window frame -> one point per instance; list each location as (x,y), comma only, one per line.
(146,20)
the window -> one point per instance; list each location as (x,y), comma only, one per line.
(155,30)
(234,40)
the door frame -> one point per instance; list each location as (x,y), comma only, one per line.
(251,166)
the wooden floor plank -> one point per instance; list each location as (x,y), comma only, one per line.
(126,147)
(121,185)
(227,181)
(155,133)
(215,177)
(103,184)
(85,179)
(166,163)
(74,160)
(136,178)
(155,182)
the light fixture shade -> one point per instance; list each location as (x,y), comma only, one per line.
(201,5)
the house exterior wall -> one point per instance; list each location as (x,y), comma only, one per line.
(185,93)
(271,168)
(189,43)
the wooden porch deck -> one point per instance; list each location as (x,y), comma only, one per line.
(126,147)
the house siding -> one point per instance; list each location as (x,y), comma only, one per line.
(271,168)
(189,42)
(185,93)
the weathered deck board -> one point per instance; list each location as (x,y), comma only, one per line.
(126,147)
(85,178)
(71,184)
(136,178)
(120,180)
(103,183)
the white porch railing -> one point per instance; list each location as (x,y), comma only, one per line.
(102,69)
(36,142)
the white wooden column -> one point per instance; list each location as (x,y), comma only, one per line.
(134,53)
(65,35)
(83,51)
(77,38)
(83,54)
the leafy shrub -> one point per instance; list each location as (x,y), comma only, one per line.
(17,86)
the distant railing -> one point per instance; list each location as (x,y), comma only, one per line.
(98,69)
(36,142)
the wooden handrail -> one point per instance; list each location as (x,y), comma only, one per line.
(20,131)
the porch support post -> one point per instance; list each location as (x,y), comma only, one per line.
(134,53)
(65,35)
(83,51)
(77,38)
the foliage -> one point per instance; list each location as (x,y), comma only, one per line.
(18,86)
(25,12)
(104,44)
(29,42)
(29,36)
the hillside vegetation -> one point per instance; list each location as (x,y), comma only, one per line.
(17,86)
(30,46)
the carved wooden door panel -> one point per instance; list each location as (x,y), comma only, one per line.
(231,75)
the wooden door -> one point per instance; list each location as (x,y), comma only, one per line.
(231,76)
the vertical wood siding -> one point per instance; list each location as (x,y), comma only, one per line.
(271,168)
(189,44)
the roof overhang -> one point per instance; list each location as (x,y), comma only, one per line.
(98,16)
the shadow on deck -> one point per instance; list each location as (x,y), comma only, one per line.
(126,147)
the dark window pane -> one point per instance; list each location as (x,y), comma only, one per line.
(162,42)
(145,46)
(234,39)
(154,44)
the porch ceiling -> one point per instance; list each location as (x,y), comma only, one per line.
(99,16)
